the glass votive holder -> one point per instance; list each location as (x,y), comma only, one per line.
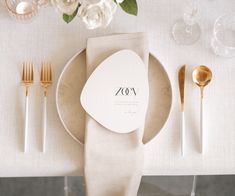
(223,39)
(22,10)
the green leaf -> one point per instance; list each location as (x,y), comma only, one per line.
(130,7)
(68,18)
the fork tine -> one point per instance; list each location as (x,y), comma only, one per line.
(45,72)
(41,72)
(23,69)
(27,72)
(50,72)
(32,72)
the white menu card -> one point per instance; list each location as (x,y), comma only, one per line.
(117,92)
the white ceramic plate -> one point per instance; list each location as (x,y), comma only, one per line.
(73,78)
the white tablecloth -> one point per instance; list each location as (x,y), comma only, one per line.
(49,38)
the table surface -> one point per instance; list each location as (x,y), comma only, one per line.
(49,38)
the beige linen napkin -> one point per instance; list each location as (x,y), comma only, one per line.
(113,162)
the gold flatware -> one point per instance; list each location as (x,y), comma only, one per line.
(27,81)
(181,80)
(46,81)
(202,75)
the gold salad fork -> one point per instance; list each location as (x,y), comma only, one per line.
(27,80)
(46,81)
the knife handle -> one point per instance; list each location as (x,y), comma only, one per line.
(182,131)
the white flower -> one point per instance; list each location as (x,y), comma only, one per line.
(66,6)
(97,13)
(119,1)
(91,1)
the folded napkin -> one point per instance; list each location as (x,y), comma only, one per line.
(113,162)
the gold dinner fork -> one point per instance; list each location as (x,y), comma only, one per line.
(46,81)
(27,80)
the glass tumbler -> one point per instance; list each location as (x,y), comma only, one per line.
(22,10)
(223,39)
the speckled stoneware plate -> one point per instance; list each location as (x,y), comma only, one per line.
(73,78)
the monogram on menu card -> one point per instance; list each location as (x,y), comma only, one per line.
(126,91)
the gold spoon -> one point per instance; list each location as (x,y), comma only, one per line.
(202,75)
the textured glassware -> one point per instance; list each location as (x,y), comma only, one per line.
(223,39)
(186,31)
(22,10)
(66,6)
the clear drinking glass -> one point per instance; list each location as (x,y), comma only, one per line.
(186,31)
(22,10)
(223,39)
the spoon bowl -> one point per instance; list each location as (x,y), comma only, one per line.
(202,76)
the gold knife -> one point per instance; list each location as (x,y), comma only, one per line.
(181,80)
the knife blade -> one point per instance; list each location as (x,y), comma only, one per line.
(181,80)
